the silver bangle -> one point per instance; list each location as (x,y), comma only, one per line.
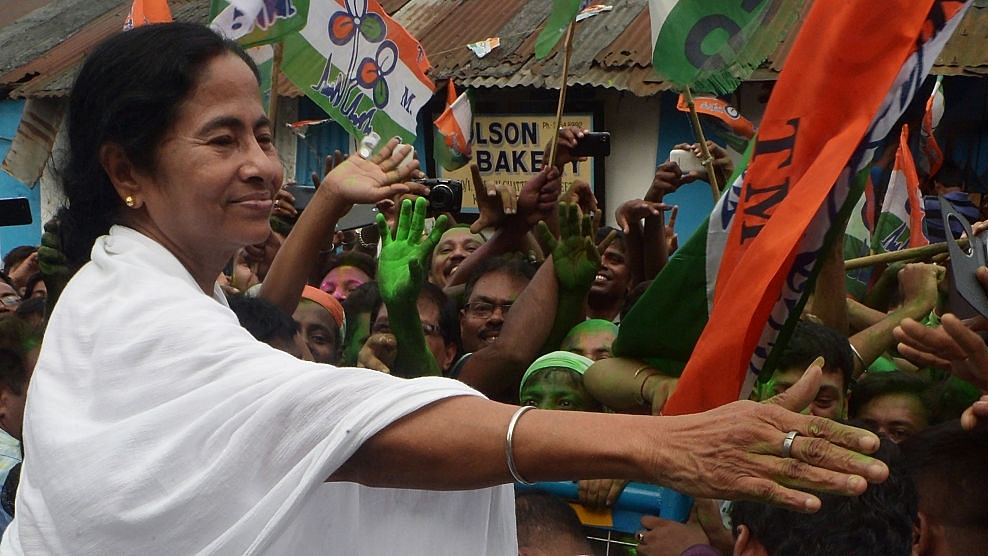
(858,356)
(508,452)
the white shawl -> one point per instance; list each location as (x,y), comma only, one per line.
(155,424)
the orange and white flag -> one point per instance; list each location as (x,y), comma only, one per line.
(144,12)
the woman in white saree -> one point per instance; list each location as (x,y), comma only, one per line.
(156,425)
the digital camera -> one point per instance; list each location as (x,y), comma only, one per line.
(444,195)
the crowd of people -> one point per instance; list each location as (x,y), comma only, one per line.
(214,370)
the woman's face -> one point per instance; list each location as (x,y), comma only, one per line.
(216,171)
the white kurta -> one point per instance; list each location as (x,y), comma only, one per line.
(155,424)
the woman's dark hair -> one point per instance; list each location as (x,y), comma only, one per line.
(127,93)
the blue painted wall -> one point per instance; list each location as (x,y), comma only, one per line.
(29,234)
(695,199)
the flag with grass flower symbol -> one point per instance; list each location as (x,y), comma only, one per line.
(360,66)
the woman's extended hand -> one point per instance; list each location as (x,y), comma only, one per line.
(736,452)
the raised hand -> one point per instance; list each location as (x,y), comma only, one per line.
(951,346)
(581,195)
(494,201)
(633,211)
(672,238)
(568,137)
(539,195)
(668,177)
(378,352)
(574,256)
(380,177)
(332,161)
(403,256)
(53,264)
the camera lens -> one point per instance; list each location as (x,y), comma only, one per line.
(440,197)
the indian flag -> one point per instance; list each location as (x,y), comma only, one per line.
(454,130)
(900,224)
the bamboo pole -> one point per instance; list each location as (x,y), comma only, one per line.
(279,50)
(925,252)
(708,160)
(562,92)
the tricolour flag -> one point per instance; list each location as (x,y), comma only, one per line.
(711,45)
(144,12)
(257,22)
(454,130)
(814,139)
(360,66)
(900,224)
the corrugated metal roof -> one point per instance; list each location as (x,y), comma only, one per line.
(65,31)
(35,27)
(43,41)
(966,53)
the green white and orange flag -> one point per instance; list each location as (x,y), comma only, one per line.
(815,138)
(712,45)
(144,12)
(454,130)
(257,22)
(360,66)
(900,224)
(348,56)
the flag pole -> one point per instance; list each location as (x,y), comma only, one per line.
(562,92)
(708,160)
(921,253)
(279,53)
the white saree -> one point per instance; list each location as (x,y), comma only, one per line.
(155,424)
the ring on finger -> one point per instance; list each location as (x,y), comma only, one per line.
(787,443)
(640,535)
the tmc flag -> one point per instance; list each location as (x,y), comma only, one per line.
(364,69)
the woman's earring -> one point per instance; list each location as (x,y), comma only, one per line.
(130,202)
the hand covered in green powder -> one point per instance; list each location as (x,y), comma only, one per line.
(52,263)
(400,267)
(574,255)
